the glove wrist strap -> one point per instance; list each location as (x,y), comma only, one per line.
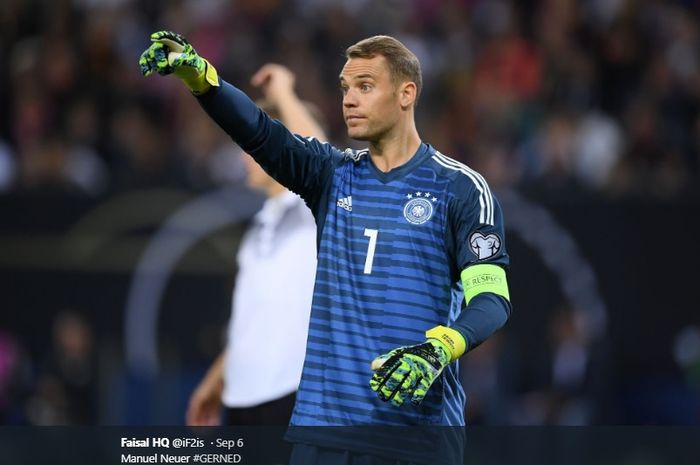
(453,341)
(202,82)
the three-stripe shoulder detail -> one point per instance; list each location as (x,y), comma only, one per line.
(486,215)
(355,155)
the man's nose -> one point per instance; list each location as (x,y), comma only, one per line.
(349,99)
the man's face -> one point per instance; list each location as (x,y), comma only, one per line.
(371,104)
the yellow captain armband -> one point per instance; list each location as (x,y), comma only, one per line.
(484,278)
(451,339)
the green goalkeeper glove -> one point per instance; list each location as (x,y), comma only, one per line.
(170,53)
(408,372)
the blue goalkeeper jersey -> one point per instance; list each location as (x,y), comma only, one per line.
(391,247)
(387,272)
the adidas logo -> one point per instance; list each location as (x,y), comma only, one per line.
(345,203)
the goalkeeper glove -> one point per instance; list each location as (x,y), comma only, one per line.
(170,53)
(408,372)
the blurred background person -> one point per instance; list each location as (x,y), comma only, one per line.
(277,263)
(15,380)
(66,385)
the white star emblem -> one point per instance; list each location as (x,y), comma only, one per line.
(409,196)
(419,194)
(434,199)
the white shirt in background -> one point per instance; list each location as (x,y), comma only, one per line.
(271,304)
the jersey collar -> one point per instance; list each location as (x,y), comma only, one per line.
(400,171)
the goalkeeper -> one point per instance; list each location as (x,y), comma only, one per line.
(411,255)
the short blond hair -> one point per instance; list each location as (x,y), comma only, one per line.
(403,63)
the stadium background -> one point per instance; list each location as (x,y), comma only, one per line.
(122,205)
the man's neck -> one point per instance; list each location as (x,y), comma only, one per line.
(395,149)
(275,189)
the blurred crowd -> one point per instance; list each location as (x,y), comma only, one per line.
(57,388)
(600,95)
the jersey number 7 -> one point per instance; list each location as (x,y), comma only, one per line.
(372,234)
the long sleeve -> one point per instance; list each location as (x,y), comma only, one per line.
(485,314)
(476,240)
(303,165)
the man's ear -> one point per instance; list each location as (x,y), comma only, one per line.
(407,94)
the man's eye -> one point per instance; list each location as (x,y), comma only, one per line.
(343,90)
(365,87)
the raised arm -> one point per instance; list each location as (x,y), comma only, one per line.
(277,84)
(302,165)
